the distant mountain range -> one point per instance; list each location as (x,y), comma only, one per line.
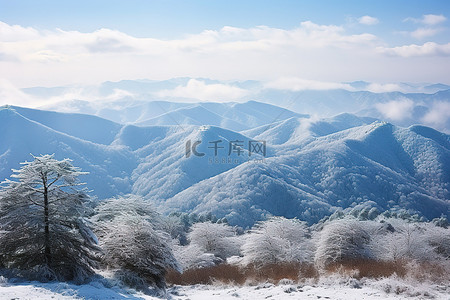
(310,167)
(185,101)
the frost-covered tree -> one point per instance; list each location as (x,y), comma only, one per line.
(216,238)
(42,220)
(411,240)
(340,241)
(439,239)
(209,244)
(277,240)
(133,244)
(174,226)
(193,257)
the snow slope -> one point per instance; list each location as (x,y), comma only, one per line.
(193,115)
(126,110)
(165,170)
(109,166)
(350,289)
(76,125)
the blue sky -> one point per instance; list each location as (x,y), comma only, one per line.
(266,40)
(174,18)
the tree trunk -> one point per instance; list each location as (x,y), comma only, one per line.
(48,256)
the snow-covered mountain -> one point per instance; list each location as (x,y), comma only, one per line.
(400,108)
(109,166)
(310,167)
(233,116)
(73,124)
(187,101)
(230,115)
(165,170)
(376,165)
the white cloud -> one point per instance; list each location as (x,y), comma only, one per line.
(368,20)
(432,19)
(11,95)
(429,30)
(383,88)
(258,52)
(14,33)
(427,49)
(421,33)
(396,110)
(197,89)
(326,52)
(299,84)
(429,20)
(85,94)
(33,45)
(438,115)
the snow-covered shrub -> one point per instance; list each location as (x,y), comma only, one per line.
(441,222)
(276,240)
(3,281)
(44,231)
(439,239)
(406,240)
(174,226)
(342,240)
(131,242)
(216,238)
(129,205)
(193,257)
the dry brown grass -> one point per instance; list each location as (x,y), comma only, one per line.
(432,271)
(239,275)
(223,272)
(370,268)
(417,270)
(276,272)
(231,274)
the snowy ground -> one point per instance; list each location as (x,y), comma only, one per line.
(351,289)
(289,291)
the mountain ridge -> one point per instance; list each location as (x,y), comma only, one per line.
(310,167)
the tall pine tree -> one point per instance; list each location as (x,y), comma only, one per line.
(43,232)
